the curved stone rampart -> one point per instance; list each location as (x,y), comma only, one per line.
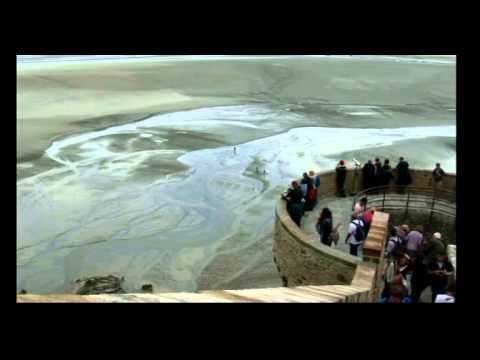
(302,260)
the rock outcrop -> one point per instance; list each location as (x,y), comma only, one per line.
(99,285)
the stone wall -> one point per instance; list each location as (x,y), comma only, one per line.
(301,262)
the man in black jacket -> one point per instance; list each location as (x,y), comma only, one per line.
(403,174)
(341,177)
(368,175)
(386,173)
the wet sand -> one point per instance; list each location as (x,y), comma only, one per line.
(162,198)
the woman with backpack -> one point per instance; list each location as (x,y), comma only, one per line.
(394,244)
(328,234)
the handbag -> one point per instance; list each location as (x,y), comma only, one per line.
(334,237)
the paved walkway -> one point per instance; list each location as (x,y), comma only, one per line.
(341,209)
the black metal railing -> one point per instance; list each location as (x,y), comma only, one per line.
(407,198)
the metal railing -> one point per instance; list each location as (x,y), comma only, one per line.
(407,198)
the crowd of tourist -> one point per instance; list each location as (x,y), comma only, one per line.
(415,262)
(302,196)
(375,174)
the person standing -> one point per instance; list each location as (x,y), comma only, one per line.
(404,178)
(420,277)
(316,179)
(367,219)
(325,227)
(316,186)
(341,171)
(433,248)
(394,244)
(356,235)
(307,185)
(377,178)
(403,231)
(439,271)
(360,207)
(368,174)
(414,242)
(389,275)
(294,198)
(437,177)
(387,175)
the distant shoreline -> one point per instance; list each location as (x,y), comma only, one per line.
(44,59)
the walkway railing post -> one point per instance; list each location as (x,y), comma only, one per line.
(433,207)
(408,203)
(383,202)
